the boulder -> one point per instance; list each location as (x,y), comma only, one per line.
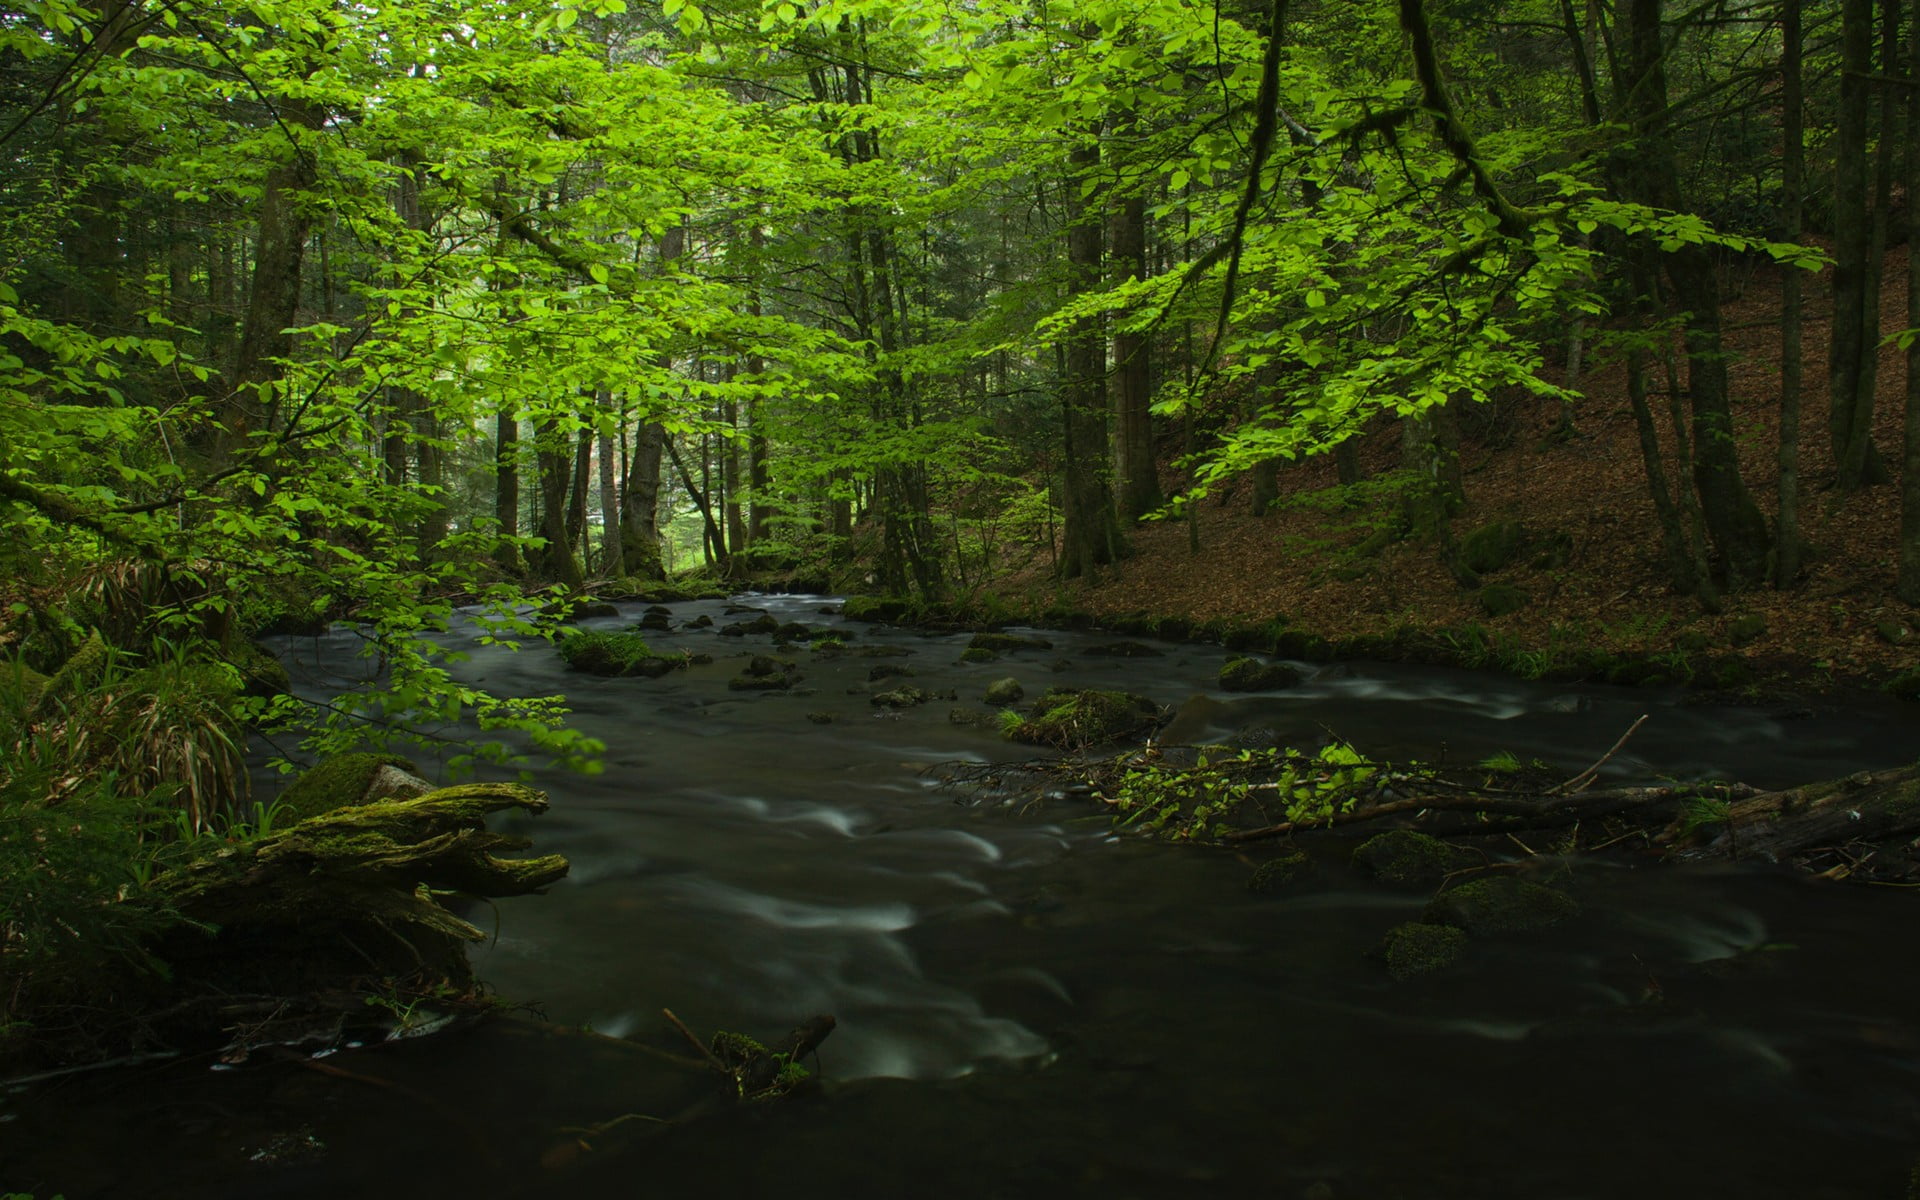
(1004,692)
(1420,948)
(1252,675)
(1502,904)
(1007,642)
(1407,856)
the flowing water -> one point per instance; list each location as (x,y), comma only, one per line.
(1029,1006)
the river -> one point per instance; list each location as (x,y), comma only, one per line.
(1030,1006)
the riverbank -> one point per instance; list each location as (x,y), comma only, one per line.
(1552,568)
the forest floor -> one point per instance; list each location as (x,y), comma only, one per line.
(1608,590)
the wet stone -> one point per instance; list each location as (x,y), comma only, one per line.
(1418,948)
(1252,675)
(888,671)
(1002,692)
(1407,856)
(1502,904)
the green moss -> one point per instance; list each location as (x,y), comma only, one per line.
(1492,546)
(1745,629)
(262,673)
(1408,856)
(1002,692)
(1502,904)
(875,608)
(338,782)
(1905,685)
(604,652)
(979,654)
(736,1049)
(1277,872)
(1252,675)
(1418,948)
(1074,719)
(1499,599)
(1002,642)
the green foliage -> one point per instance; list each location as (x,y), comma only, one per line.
(1200,801)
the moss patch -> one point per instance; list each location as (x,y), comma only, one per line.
(1002,642)
(1277,872)
(1499,599)
(1252,675)
(337,783)
(1073,719)
(1407,856)
(1003,692)
(1492,546)
(1502,904)
(875,608)
(604,652)
(1418,948)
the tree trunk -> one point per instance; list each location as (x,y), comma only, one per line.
(1136,475)
(611,565)
(554,453)
(640,504)
(506,489)
(1788,549)
(1908,585)
(1091,538)
(285,225)
(1852,351)
(1733,520)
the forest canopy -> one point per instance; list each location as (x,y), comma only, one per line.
(314,310)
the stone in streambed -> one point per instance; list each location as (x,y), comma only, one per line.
(1122,650)
(1007,641)
(1502,904)
(1407,856)
(1252,675)
(1004,692)
(1277,872)
(1420,948)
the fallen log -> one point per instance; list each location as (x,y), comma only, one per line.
(357,891)
(1782,826)
(1520,813)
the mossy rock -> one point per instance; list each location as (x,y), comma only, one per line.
(25,683)
(794,631)
(1252,675)
(339,782)
(1728,672)
(1552,552)
(979,654)
(882,652)
(260,672)
(1072,719)
(1502,904)
(1492,546)
(1004,692)
(1004,642)
(603,652)
(1746,629)
(1123,650)
(1499,599)
(902,697)
(703,621)
(1892,632)
(875,608)
(81,671)
(764,623)
(1691,642)
(820,718)
(759,683)
(1905,685)
(655,623)
(1419,948)
(888,671)
(1408,856)
(1277,872)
